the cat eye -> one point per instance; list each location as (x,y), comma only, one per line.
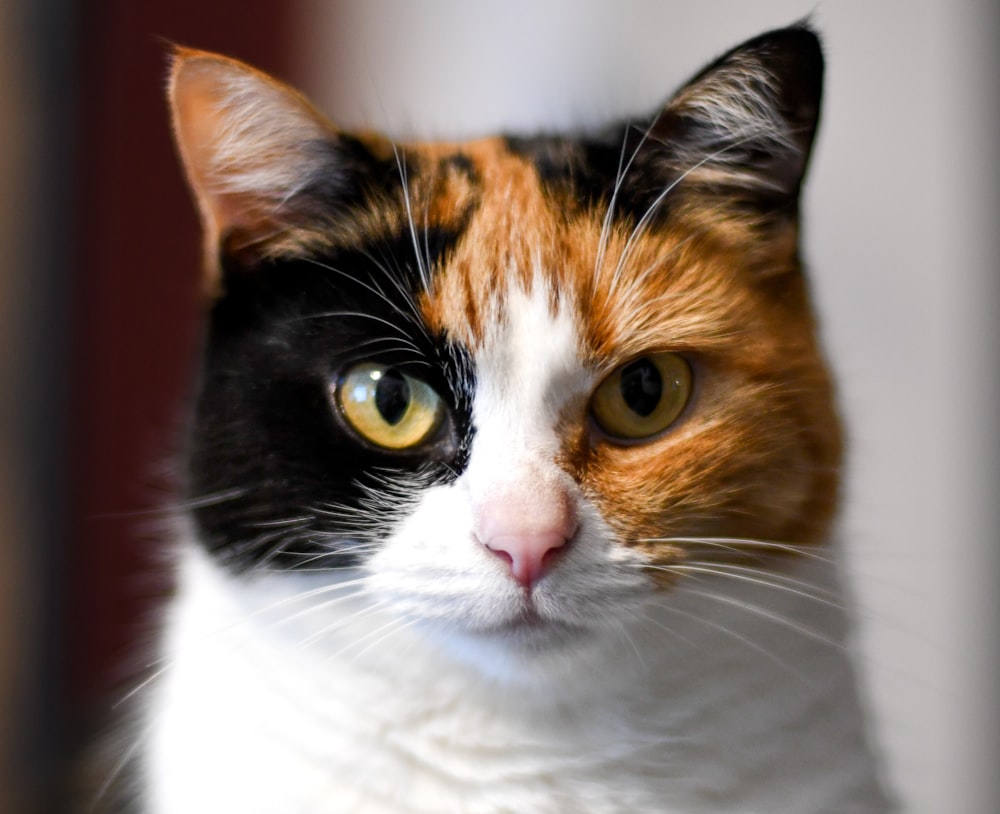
(644,397)
(387,407)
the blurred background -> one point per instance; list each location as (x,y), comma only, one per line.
(99,310)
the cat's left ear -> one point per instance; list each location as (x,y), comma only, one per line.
(250,146)
(744,126)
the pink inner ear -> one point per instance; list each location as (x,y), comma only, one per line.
(244,139)
(199,112)
(527,526)
(200,122)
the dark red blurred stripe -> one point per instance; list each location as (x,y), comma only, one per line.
(135,306)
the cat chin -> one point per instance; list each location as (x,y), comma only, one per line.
(524,661)
(533,637)
(526,653)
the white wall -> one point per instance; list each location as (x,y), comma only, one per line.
(900,212)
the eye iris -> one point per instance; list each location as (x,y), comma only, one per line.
(392,396)
(641,387)
(643,398)
(386,407)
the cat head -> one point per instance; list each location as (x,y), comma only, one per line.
(514,381)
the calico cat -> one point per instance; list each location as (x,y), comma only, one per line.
(510,468)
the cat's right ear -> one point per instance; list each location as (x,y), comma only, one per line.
(743,128)
(250,146)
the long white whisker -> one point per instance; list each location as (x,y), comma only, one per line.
(361,315)
(118,767)
(396,279)
(623,629)
(404,179)
(755,580)
(368,284)
(734,635)
(166,664)
(393,622)
(746,546)
(396,626)
(764,613)
(213,499)
(619,180)
(329,603)
(646,617)
(647,216)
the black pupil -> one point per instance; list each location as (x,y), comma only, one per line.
(392,396)
(642,387)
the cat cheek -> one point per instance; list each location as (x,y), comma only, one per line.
(431,552)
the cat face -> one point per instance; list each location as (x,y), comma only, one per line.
(515,381)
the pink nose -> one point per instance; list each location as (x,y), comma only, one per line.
(529,557)
(528,530)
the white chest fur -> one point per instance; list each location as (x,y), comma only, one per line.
(270,704)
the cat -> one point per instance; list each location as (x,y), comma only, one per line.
(511,469)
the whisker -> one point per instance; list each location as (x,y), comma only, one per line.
(118,767)
(656,267)
(404,179)
(393,622)
(644,221)
(360,315)
(410,313)
(163,664)
(620,174)
(396,276)
(768,654)
(345,622)
(396,626)
(746,546)
(426,232)
(327,604)
(623,629)
(211,499)
(736,573)
(764,613)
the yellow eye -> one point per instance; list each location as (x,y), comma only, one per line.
(387,407)
(644,397)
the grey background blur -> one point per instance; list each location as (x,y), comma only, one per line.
(33,164)
(901,209)
(900,233)
(13,151)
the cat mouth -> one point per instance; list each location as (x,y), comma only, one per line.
(531,627)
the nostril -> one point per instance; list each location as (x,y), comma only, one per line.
(550,557)
(528,557)
(506,556)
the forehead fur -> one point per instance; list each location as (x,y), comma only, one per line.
(687,282)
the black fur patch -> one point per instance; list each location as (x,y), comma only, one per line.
(583,172)
(462,164)
(275,479)
(347,172)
